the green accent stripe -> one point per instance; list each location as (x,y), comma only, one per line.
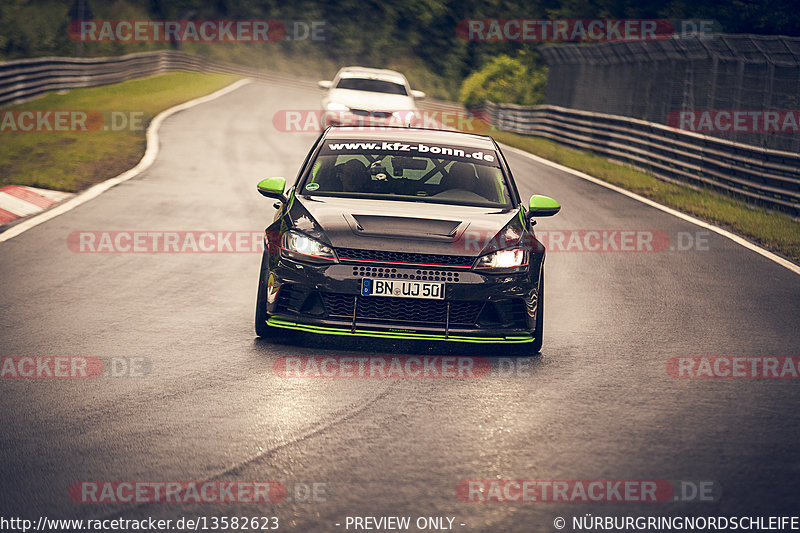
(328,330)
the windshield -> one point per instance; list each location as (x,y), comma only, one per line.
(373,86)
(408,172)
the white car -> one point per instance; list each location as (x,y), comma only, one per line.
(360,96)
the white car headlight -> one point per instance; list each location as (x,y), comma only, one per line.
(404,117)
(304,248)
(335,106)
(502,259)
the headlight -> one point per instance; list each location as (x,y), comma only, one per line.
(335,106)
(502,259)
(406,117)
(304,248)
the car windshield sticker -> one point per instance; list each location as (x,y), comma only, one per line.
(312,186)
(456,153)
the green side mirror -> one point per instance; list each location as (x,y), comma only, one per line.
(542,206)
(272,188)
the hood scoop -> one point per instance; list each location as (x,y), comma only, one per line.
(405,227)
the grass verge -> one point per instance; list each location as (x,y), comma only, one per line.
(775,231)
(74,160)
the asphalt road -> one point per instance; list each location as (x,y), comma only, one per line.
(596,404)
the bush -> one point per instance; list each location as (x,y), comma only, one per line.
(505,80)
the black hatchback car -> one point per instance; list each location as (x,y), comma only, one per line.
(404,233)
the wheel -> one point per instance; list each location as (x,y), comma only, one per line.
(536,345)
(262,329)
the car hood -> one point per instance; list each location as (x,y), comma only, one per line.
(370,101)
(419,227)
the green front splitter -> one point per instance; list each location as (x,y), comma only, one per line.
(328,330)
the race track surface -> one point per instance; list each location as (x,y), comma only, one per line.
(596,404)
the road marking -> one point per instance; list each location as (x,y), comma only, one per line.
(683,216)
(144,163)
(56,196)
(17,201)
(18,206)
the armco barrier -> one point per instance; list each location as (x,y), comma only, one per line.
(767,177)
(758,175)
(24,79)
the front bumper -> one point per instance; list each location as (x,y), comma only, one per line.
(378,332)
(477,307)
(369,119)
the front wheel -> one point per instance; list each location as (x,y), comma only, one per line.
(536,345)
(262,329)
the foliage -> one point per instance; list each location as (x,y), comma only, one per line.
(505,80)
(418,35)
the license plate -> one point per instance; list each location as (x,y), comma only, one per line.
(402,289)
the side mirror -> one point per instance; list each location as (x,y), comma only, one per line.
(325,84)
(542,206)
(272,188)
(418,95)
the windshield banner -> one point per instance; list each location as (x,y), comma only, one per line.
(433,151)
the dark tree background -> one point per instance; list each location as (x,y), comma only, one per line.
(417,36)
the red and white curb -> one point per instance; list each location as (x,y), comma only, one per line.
(150,154)
(17,201)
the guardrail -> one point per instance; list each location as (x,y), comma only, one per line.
(758,175)
(767,177)
(24,79)
(653,80)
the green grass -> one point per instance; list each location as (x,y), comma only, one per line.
(72,161)
(773,230)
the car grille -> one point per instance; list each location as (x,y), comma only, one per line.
(405,310)
(376,114)
(504,313)
(290,299)
(381,256)
(393,273)
(298,301)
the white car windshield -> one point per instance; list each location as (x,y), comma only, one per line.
(372,85)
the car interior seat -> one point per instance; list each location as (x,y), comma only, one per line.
(460,176)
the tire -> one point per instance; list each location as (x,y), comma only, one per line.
(262,329)
(536,345)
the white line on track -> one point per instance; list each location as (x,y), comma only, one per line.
(152,152)
(683,216)
(147,159)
